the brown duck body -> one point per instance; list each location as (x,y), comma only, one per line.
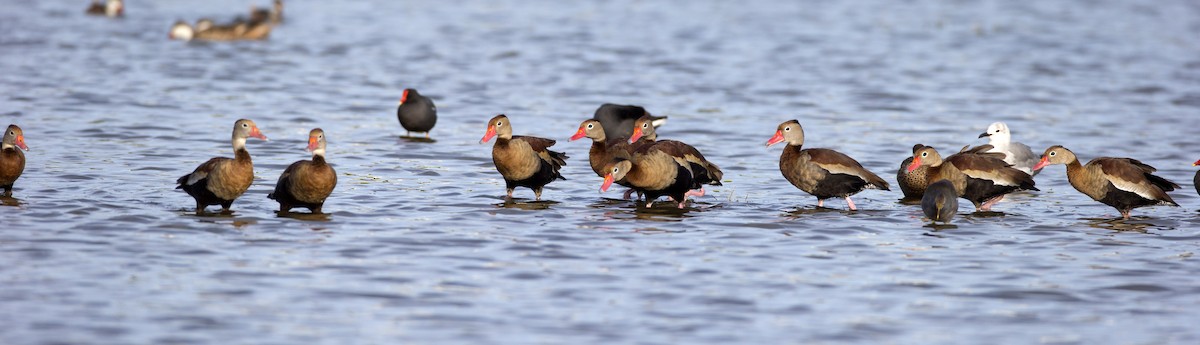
(12,164)
(1122,183)
(219,181)
(527,162)
(980,177)
(305,183)
(657,170)
(826,173)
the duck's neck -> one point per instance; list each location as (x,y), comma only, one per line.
(1074,171)
(239,150)
(318,157)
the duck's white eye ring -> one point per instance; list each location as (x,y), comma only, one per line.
(787,129)
(590,126)
(615,170)
(924,154)
(245,125)
(1052,153)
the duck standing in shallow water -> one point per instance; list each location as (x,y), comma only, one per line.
(824,173)
(221,180)
(1123,183)
(12,160)
(306,183)
(912,183)
(523,161)
(416,112)
(981,177)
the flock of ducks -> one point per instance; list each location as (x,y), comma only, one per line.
(626,150)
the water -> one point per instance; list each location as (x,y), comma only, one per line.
(418,247)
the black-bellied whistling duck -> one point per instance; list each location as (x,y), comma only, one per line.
(416,112)
(618,120)
(604,150)
(1019,155)
(12,160)
(221,180)
(111,8)
(981,177)
(656,170)
(1123,183)
(205,30)
(940,201)
(272,16)
(824,173)
(912,183)
(523,161)
(706,172)
(306,183)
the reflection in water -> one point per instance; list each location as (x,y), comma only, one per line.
(316,217)
(527,205)
(417,139)
(804,211)
(1119,224)
(935,227)
(10,201)
(984,214)
(903,201)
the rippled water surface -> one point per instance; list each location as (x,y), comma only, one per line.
(419,247)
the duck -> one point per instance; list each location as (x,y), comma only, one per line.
(655,170)
(306,183)
(523,161)
(618,120)
(110,8)
(603,150)
(221,180)
(1123,183)
(12,160)
(823,173)
(912,183)
(205,30)
(706,172)
(416,112)
(981,177)
(939,202)
(1019,155)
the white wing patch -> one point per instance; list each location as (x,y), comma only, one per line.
(1140,189)
(195,176)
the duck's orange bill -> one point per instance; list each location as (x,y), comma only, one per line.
(778,138)
(254,132)
(637,134)
(312,143)
(1044,162)
(491,132)
(916,163)
(21,142)
(1196,163)
(578,135)
(608,179)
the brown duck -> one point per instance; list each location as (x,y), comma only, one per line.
(706,172)
(523,161)
(981,177)
(604,150)
(824,173)
(912,183)
(656,169)
(1123,183)
(221,180)
(306,183)
(12,160)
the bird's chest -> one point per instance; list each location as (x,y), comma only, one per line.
(515,160)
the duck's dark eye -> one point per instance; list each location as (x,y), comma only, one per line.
(644,125)
(590,126)
(924,154)
(245,125)
(787,129)
(498,124)
(1051,153)
(615,170)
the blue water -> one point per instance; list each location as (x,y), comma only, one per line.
(418,246)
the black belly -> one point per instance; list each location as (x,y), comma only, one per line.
(839,186)
(683,183)
(539,179)
(1124,201)
(200,192)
